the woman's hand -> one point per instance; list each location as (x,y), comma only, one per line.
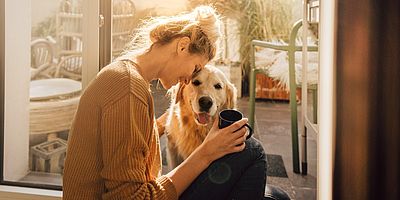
(220,142)
(217,143)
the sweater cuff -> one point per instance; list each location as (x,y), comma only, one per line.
(169,187)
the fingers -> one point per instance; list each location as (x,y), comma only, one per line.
(239,147)
(216,122)
(239,133)
(227,140)
(237,125)
(240,140)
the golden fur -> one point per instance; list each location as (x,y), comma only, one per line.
(184,131)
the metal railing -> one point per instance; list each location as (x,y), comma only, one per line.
(291,48)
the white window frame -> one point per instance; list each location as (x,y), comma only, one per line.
(15,39)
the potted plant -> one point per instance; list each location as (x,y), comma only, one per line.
(256,19)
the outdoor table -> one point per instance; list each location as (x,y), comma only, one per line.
(46,89)
(53,103)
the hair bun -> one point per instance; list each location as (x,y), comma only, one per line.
(207,20)
(202,26)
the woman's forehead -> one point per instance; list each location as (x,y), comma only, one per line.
(203,61)
(199,60)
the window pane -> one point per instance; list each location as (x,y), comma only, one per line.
(55,85)
(46,94)
(122,25)
(128,14)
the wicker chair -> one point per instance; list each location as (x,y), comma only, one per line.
(42,65)
(69,26)
(70,67)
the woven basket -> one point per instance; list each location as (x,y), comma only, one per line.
(52,116)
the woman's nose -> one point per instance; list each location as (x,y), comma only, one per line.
(185,80)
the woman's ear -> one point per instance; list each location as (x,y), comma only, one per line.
(183,44)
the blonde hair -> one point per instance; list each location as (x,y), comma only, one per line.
(202,26)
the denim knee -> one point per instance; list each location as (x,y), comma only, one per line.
(256,148)
(236,171)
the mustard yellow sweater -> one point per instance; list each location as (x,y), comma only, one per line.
(113,146)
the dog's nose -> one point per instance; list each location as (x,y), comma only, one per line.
(205,103)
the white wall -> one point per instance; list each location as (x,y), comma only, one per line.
(163,6)
(17,77)
(233,38)
(41,9)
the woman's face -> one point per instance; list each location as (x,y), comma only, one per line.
(181,67)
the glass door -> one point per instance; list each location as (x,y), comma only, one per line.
(50,55)
(123,23)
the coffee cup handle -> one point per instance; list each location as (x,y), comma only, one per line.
(250,130)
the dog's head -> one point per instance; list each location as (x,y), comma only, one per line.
(208,93)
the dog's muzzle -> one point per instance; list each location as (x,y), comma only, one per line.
(205,103)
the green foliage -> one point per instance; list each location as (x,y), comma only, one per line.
(258,19)
(45,28)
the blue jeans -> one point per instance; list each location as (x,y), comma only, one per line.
(236,176)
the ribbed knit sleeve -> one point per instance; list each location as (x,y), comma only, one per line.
(126,154)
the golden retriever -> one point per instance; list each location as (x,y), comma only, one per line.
(192,111)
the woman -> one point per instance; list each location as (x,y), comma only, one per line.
(113,147)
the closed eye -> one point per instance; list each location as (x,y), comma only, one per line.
(196,82)
(196,70)
(218,86)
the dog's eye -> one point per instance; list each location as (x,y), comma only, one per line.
(196,82)
(218,86)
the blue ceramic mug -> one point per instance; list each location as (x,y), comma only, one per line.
(229,116)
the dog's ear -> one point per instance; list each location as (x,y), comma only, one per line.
(176,92)
(179,94)
(231,94)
